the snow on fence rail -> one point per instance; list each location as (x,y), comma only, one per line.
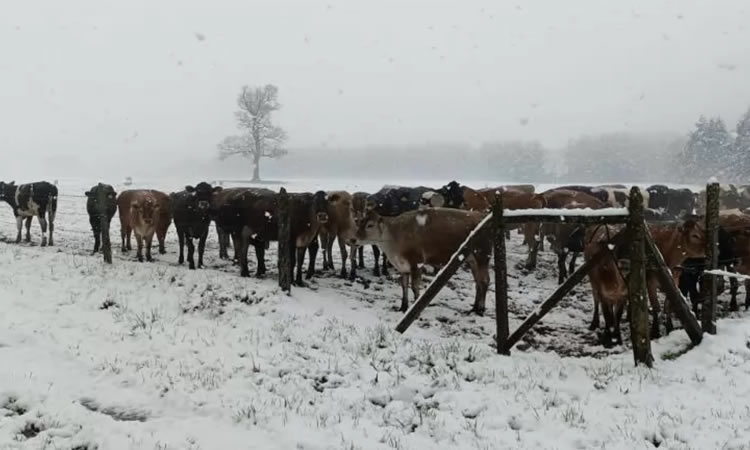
(583,212)
(724,273)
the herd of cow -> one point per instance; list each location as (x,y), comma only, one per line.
(413,227)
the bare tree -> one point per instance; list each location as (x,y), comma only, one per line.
(263,139)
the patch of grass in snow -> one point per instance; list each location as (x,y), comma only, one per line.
(671,355)
(9,406)
(573,415)
(603,372)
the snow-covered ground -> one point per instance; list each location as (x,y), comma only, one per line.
(153,356)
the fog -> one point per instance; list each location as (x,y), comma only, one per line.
(107,88)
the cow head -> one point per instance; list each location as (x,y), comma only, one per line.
(103,197)
(453,195)
(202,194)
(693,239)
(145,211)
(370,228)
(320,206)
(7,190)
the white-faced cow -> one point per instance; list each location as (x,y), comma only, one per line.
(28,200)
(101,205)
(191,210)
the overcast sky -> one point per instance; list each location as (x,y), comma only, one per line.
(160,77)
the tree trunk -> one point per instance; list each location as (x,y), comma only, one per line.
(256,169)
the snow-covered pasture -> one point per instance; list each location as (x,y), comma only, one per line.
(153,356)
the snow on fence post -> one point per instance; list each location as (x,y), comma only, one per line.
(708,312)
(501,277)
(638,297)
(106,244)
(285,247)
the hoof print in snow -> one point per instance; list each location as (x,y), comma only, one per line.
(10,407)
(119,413)
(108,303)
(379,398)
(31,429)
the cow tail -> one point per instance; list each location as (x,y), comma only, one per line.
(52,208)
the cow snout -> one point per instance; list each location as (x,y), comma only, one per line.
(323,217)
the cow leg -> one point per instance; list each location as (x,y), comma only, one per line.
(181,244)
(191,253)
(260,257)
(609,325)
(561,268)
(572,265)
(618,319)
(480,272)
(96,229)
(223,244)
(43,226)
(139,242)
(540,237)
(312,253)
(241,245)
(19,224)
(416,281)
(376,256)
(51,222)
(129,232)
(149,238)
(361,259)
(597,300)
(329,250)
(533,251)
(405,291)
(202,248)
(28,229)
(161,236)
(344,256)
(297,259)
(353,262)
(123,249)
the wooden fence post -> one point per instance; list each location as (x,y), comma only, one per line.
(106,243)
(637,296)
(501,278)
(708,312)
(285,247)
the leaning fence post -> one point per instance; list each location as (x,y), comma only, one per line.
(106,244)
(708,313)
(285,265)
(637,296)
(501,277)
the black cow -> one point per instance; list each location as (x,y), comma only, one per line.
(191,211)
(252,218)
(221,200)
(101,205)
(691,275)
(28,200)
(674,202)
(394,200)
(453,195)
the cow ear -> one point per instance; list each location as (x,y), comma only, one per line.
(189,188)
(218,189)
(87,193)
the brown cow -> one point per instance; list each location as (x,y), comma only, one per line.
(565,237)
(339,225)
(165,218)
(738,227)
(429,236)
(140,212)
(359,207)
(608,285)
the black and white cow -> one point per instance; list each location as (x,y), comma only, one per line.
(395,200)
(191,210)
(614,195)
(28,200)
(101,207)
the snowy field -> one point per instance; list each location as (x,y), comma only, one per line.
(153,356)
